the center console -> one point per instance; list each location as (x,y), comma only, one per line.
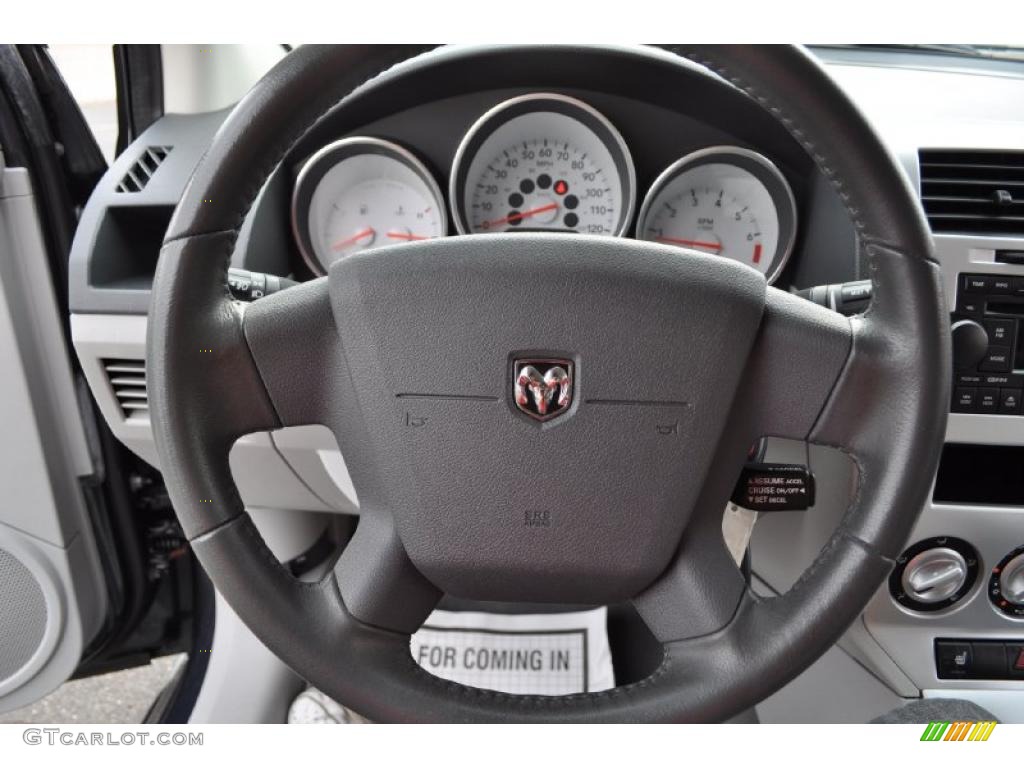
(952,613)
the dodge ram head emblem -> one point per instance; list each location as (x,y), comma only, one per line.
(543,387)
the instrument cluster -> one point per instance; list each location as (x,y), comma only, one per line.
(542,162)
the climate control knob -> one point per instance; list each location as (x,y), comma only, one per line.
(970,344)
(934,574)
(1006,585)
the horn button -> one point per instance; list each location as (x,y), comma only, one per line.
(538,412)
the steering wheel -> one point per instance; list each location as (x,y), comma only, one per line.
(679,362)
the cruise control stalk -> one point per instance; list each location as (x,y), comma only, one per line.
(844,298)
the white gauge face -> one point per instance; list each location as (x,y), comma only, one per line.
(720,209)
(723,209)
(368,200)
(547,171)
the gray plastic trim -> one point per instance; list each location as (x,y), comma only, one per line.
(909,636)
(291,469)
(188,136)
(44,521)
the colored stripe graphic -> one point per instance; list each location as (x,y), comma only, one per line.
(934,731)
(958,731)
(984,731)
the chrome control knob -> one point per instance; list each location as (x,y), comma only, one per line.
(1011,581)
(934,575)
(970,344)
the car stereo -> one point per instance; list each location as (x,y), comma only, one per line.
(988,345)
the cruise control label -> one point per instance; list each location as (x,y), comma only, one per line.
(774,488)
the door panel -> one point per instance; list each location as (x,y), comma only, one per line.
(54,593)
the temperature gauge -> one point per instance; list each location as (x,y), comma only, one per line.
(727,201)
(362,193)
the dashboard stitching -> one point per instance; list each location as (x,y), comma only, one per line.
(790,125)
(796,132)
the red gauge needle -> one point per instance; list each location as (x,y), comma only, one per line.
(405,236)
(693,243)
(368,232)
(521,215)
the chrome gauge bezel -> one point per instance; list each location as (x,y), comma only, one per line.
(323,160)
(500,114)
(763,169)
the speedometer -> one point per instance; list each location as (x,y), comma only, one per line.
(727,201)
(543,162)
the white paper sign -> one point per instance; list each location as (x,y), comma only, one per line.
(548,654)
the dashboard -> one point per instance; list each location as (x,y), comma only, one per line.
(631,143)
(561,142)
(541,162)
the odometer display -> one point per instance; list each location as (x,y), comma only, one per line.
(543,163)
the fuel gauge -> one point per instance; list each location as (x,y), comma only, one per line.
(362,193)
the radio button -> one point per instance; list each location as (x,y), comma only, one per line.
(1000,332)
(1015,659)
(1001,380)
(996,359)
(1018,286)
(1001,285)
(965,398)
(968,306)
(953,658)
(977,283)
(988,400)
(1009,400)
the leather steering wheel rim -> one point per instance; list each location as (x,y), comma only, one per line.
(880,393)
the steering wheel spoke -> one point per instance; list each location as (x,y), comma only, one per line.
(799,355)
(295,349)
(378,583)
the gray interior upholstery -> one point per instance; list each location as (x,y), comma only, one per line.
(942,710)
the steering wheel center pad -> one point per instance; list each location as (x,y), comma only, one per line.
(591,511)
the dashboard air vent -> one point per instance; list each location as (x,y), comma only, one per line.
(128,380)
(142,170)
(973,191)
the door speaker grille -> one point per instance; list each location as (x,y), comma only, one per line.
(23,615)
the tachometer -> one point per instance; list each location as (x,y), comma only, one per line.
(543,162)
(361,193)
(727,201)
